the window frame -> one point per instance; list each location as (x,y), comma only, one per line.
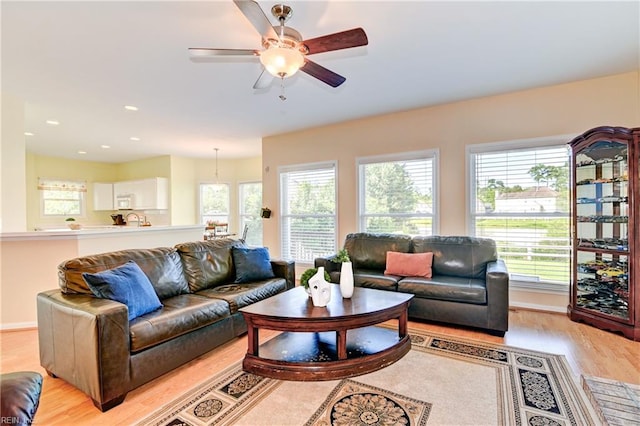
(471,191)
(82,198)
(241,216)
(306,167)
(433,154)
(201,219)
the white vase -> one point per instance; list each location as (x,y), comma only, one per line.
(346,280)
(320,289)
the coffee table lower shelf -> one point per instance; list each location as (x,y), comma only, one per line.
(312,356)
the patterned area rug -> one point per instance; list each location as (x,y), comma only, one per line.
(441,381)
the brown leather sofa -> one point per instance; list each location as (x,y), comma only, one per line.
(469,285)
(19,397)
(90,342)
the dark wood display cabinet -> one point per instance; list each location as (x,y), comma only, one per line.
(606,177)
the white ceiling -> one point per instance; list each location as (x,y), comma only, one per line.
(80,62)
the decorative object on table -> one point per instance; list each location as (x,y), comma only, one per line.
(346,273)
(71,223)
(304,278)
(320,289)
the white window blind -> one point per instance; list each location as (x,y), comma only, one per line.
(397,193)
(214,202)
(250,198)
(59,197)
(520,198)
(308,211)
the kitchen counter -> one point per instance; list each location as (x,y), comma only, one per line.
(93,231)
(30,260)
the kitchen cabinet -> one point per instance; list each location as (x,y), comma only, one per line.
(145,194)
(605,286)
(102,196)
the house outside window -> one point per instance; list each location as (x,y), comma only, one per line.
(519,196)
(250,198)
(214,202)
(308,219)
(59,197)
(397,193)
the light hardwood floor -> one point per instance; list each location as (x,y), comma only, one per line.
(588,350)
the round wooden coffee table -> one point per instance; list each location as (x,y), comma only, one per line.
(333,342)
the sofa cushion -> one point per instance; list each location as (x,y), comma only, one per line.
(208,263)
(251,264)
(161,265)
(241,295)
(375,279)
(409,264)
(125,284)
(440,287)
(369,251)
(179,315)
(458,256)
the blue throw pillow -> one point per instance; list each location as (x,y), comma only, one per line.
(251,264)
(126,284)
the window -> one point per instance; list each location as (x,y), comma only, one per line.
(520,198)
(214,202)
(397,193)
(250,196)
(62,197)
(308,211)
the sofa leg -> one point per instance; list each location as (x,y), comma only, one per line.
(109,404)
(50,374)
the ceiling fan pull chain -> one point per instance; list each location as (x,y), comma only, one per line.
(282,96)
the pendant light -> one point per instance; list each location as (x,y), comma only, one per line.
(216,149)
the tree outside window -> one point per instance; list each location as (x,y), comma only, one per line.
(250,196)
(397,194)
(520,198)
(214,203)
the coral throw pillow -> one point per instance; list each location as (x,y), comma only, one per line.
(409,264)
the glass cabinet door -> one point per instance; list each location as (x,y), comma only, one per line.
(601,229)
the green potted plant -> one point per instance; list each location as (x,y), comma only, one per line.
(304,278)
(342,256)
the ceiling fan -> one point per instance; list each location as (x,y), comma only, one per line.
(284,51)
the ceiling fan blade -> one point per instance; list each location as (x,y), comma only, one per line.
(198,52)
(342,40)
(253,12)
(322,73)
(264,80)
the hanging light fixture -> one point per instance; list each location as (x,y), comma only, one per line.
(216,149)
(282,62)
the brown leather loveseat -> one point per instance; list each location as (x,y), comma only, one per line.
(469,285)
(91,343)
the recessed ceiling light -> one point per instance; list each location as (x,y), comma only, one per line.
(105,146)
(53,122)
(82,152)
(130,107)
(133,138)
(28,134)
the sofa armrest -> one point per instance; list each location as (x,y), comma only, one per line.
(330,265)
(285,269)
(85,340)
(497,281)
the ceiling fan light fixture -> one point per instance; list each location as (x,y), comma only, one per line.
(282,61)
